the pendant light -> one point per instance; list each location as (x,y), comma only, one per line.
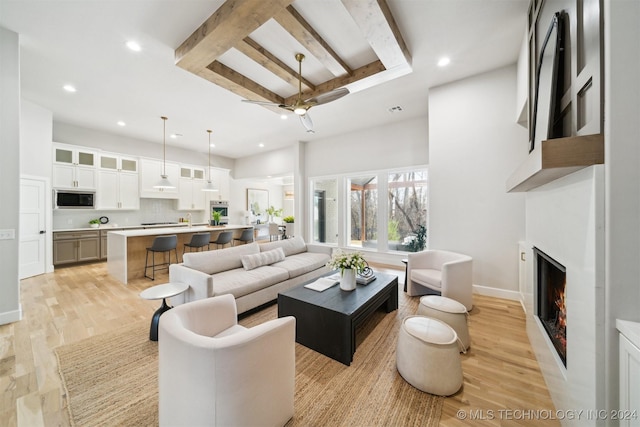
(164,181)
(209,186)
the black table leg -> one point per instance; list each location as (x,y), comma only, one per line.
(406,265)
(155,320)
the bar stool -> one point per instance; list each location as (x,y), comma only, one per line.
(198,241)
(160,244)
(274,231)
(246,236)
(223,238)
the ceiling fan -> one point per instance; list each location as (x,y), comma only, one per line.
(301,107)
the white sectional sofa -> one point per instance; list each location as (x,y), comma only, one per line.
(253,273)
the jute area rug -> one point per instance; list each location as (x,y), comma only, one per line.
(111,379)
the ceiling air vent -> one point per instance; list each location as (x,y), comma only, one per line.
(395,109)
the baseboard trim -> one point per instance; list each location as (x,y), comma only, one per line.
(496,292)
(11,316)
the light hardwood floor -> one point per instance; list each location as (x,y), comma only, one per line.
(502,381)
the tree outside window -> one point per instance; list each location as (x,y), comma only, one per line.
(407,207)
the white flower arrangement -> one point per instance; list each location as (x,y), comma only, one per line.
(347,260)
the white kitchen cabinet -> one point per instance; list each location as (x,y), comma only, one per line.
(629,412)
(150,171)
(74,167)
(191,196)
(118,186)
(220,179)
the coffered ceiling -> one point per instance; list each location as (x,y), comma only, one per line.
(200,58)
(231,34)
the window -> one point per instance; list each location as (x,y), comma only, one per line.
(382,211)
(325,211)
(407,209)
(363,211)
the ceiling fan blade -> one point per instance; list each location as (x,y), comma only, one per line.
(328,97)
(267,103)
(305,119)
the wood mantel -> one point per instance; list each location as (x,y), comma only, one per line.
(555,158)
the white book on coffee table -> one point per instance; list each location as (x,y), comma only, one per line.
(324,283)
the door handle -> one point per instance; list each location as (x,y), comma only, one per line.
(43,231)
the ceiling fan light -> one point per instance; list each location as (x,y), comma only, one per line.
(164,183)
(301,111)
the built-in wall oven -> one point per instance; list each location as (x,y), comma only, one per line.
(221,206)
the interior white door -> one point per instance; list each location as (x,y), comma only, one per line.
(32,227)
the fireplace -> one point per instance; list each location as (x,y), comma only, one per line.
(551,279)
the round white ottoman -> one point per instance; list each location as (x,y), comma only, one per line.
(427,356)
(450,312)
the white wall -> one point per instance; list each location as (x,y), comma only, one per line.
(35,140)
(474,145)
(622,157)
(262,164)
(399,144)
(10,310)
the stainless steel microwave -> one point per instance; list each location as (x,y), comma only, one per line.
(65,199)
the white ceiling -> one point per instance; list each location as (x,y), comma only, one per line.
(83,43)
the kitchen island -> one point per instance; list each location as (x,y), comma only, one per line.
(127,249)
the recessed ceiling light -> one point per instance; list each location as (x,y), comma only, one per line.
(134,46)
(121,123)
(284,117)
(175,135)
(212,145)
(443,62)
(261,145)
(69,88)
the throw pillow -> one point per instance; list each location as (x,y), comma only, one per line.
(249,262)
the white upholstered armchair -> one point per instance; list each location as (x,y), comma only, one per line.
(214,372)
(449,273)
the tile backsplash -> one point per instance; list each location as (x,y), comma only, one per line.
(151,210)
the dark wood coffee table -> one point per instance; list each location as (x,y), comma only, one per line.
(326,321)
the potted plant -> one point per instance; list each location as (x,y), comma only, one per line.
(215,215)
(271,211)
(420,240)
(288,219)
(94,223)
(349,264)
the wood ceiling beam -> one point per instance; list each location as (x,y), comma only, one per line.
(267,60)
(235,82)
(359,74)
(381,31)
(300,29)
(225,28)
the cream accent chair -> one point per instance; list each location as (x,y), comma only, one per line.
(214,372)
(449,273)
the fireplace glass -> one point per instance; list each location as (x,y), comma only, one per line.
(551,279)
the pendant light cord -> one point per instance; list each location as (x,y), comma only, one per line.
(164,145)
(209,158)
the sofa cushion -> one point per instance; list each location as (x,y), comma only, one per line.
(249,262)
(427,276)
(212,262)
(291,246)
(239,282)
(302,263)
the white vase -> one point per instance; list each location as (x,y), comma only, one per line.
(348,280)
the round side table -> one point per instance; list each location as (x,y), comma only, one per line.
(162,292)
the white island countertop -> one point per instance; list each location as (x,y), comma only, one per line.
(179,229)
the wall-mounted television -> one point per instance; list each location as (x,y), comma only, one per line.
(546,120)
